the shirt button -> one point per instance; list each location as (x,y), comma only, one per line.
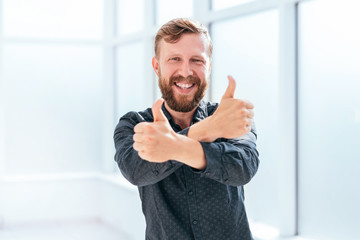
(191,193)
(195,222)
(156,172)
(207,174)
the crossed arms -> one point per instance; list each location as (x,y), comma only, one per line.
(221,147)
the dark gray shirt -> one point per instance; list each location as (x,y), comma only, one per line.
(183,203)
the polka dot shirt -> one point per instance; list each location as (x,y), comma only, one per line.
(183,203)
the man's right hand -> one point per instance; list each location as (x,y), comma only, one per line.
(232,119)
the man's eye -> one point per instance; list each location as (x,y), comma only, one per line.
(197,60)
(174,59)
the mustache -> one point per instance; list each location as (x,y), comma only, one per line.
(189,79)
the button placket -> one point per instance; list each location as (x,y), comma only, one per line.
(193,207)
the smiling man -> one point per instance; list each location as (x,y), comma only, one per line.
(189,158)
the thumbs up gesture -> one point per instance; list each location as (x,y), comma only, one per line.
(153,140)
(158,114)
(233,117)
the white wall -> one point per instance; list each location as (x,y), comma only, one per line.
(64,197)
(121,207)
(49,199)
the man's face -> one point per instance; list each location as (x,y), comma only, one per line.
(183,69)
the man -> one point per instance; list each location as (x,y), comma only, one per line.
(189,158)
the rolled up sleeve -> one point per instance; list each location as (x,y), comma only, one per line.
(231,161)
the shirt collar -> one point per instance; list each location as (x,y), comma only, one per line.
(200,113)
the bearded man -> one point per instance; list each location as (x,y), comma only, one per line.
(189,158)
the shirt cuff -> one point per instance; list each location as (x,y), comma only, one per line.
(213,155)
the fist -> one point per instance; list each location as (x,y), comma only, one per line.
(233,118)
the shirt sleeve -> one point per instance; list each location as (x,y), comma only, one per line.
(136,170)
(231,161)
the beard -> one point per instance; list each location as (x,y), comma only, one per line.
(182,103)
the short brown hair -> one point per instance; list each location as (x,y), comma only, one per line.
(173,30)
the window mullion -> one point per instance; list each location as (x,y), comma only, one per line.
(287,138)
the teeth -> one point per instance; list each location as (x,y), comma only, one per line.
(184,85)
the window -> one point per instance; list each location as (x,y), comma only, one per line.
(329,121)
(52,62)
(167,10)
(59,58)
(131,90)
(251,57)
(52,106)
(80,19)
(221,4)
(127,21)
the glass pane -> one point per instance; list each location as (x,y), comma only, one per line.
(131,88)
(130,16)
(329,118)
(221,4)
(169,9)
(52,108)
(251,57)
(53,19)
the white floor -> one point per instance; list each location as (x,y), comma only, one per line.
(79,230)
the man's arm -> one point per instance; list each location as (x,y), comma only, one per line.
(134,169)
(157,142)
(229,161)
(232,119)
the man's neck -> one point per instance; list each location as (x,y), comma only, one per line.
(183,119)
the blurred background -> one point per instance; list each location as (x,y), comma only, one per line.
(70,68)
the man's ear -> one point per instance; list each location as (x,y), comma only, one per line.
(155,64)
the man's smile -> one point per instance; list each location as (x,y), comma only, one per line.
(184,87)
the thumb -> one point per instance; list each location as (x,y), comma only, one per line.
(157,112)
(229,93)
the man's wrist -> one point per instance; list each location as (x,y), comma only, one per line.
(189,151)
(204,131)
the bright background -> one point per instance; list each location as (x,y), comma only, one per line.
(70,68)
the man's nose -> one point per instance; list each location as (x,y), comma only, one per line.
(186,69)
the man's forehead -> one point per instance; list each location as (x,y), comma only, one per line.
(194,43)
